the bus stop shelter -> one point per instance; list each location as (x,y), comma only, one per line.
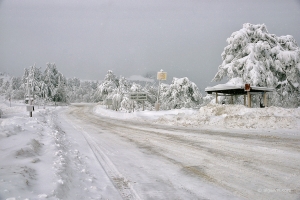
(232,90)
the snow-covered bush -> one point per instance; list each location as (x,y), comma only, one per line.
(181,93)
(207,99)
(265,60)
(116,101)
(126,104)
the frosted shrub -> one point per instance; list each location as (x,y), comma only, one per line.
(181,93)
(126,104)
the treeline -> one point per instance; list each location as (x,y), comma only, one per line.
(49,85)
(52,86)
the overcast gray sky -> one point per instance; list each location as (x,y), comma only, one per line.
(132,37)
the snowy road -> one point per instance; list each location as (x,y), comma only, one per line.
(150,161)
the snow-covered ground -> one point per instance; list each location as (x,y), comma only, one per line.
(40,161)
(51,156)
(217,116)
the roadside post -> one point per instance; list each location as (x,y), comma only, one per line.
(161,76)
(247,89)
(138,96)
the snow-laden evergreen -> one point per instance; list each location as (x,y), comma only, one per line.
(46,86)
(10,86)
(109,84)
(263,59)
(55,82)
(181,93)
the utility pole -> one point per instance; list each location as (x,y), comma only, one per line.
(30,102)
(30,106)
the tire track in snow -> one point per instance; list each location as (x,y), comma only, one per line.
(119,181)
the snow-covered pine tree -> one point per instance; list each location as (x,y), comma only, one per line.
(49,79)
(151,91)
(110,83)
(181,93)
(16,83)
(33,76)
(52,78)
(263,59)
(44,91)
(60,94)
(24,78)
(18,91)
(6,85)
(1,82)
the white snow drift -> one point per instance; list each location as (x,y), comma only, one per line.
(217,116)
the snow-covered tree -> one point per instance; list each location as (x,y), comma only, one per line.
(107,87)
(181,93)
(60,93)
(54,79)
(126,104)
(33,76)
(263,59)
(16,83)
(151,90)
(110,76)
(1,82)
(6,85)
(18,91)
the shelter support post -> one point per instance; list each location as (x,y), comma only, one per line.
(216,97)
(244,100)
(143,105)
(30,103)
(132,106)
(231,99)
(265,99)
(249,99)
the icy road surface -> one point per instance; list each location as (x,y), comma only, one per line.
(150,161)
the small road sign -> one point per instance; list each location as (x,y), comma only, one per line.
(138,96)
(247,87)
(30,108)
(162,76)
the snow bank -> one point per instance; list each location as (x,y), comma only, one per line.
(24,161)
(140,115)
(238,116)
(217,116)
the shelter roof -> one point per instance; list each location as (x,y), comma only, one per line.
(236,89)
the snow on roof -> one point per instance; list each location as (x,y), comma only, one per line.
(236,84)
(222,87)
